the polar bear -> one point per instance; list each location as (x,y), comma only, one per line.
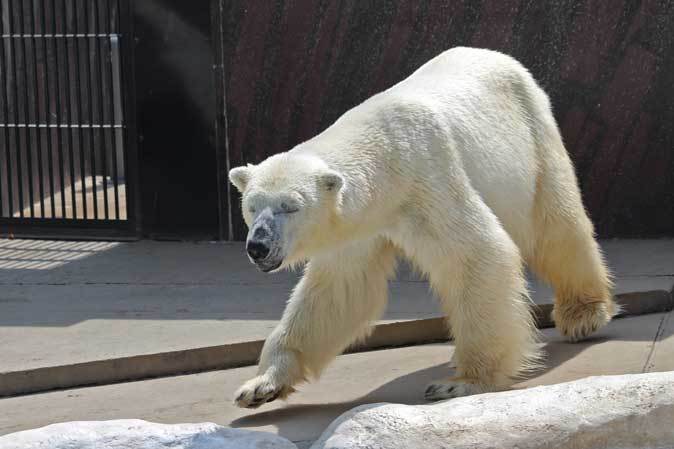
(459,168)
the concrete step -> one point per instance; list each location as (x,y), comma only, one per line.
(643,344)
(80,313)
(218,357)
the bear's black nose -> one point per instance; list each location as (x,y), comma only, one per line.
(257,250)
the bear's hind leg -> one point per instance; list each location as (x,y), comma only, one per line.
(334,304)
(566,254)
(476,270)
(568,257)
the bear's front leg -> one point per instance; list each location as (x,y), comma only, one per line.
(279,369)
(333,305)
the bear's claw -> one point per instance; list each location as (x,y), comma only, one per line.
(433,392)
(452,388)
(260,390)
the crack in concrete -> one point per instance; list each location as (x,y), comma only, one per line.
(656,339)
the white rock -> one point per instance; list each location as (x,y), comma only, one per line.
(137,434)
(609,412)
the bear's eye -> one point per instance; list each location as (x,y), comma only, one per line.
(251,210)
(288,209)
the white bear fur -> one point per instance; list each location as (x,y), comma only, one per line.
(461,169)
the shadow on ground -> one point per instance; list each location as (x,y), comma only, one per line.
(409,389)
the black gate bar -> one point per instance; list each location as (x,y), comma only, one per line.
(64,124)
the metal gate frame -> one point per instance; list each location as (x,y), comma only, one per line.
(85,228)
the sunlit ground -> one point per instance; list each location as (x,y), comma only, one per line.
(84,192)
(45,254)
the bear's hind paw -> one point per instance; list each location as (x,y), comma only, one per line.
(577,320)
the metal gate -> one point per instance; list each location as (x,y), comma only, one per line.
(64,152)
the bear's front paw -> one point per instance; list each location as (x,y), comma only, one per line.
(453,388)
(260,390)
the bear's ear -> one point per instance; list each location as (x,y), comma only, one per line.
(331,181)
(240,176)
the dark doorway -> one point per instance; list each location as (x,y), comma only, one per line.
(176,107)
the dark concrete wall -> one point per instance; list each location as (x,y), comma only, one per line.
(293,67)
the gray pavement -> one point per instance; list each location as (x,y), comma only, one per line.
(630,345)
(68,303)
(72,302)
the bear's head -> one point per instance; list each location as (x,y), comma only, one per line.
(288,202)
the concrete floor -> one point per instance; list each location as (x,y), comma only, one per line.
(64,303)
(630,345)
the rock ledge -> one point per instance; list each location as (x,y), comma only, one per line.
(136,434)
(616,412)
